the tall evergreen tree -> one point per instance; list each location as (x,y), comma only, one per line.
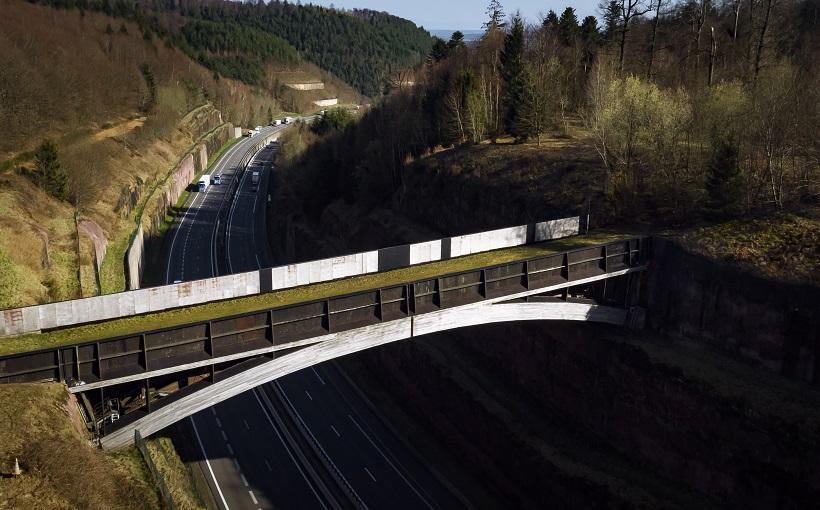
(456,41)
(495,15)
(612,20)
(512,71)
(568,27)
(551,22)
(723,183)
(48,173)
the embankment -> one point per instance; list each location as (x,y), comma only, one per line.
(152,219)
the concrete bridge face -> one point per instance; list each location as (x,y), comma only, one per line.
(200,357)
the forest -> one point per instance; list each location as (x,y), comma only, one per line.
(235,39)
(696,108)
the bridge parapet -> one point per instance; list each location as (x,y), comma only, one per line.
(209,344)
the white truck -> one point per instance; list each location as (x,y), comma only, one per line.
(203,183)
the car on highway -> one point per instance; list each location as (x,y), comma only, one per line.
(217,179)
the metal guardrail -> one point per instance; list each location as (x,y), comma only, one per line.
(164,491)
(202,341)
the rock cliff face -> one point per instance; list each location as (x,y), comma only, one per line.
(581,415)
(773,324)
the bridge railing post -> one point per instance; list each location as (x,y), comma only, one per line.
(271,324)
(327,315)
(209,345)
(379,305)
(527,274)
(144,348)
(98,360)
(565,269)
(483,284)
(77,360)
(60,375)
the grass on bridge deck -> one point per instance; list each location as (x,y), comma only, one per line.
(217,309)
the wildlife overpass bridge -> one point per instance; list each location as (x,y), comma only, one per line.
(150,379)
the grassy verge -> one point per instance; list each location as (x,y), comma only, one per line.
(176,474)
(783,246)
(41,427)
(208,311)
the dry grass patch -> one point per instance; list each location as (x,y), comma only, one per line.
(782,246)
(61,468)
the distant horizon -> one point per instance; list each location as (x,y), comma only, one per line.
(436,16)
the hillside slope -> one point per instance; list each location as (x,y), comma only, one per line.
(122,108)
(40,420)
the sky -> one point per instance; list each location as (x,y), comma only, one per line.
(461,14)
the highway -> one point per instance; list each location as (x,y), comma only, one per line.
(250,455)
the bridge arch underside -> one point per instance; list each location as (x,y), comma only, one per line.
(189,391)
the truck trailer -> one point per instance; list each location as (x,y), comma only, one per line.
(203,183)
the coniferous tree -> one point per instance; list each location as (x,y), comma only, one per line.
(512,71)
(551,22)
(495,14)
(723,184)
(568,27)
(456,41)
(440,50)
(48,173)
(612,20)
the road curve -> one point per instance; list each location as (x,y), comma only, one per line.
(237,470)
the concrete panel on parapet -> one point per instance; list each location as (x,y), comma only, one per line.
(421,253)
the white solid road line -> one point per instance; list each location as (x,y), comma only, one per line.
(395,468)
(222,162)
(290,454)
(208,464)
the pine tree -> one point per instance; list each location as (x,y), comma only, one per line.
(551,22)
(495,13)
(456,41)
(612,20)
(723,182)
(568,27)
(151,83)
(512,71)
(530,116)
(49,174)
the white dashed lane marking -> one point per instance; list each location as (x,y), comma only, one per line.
(335,431)
(371,474)
(318,376)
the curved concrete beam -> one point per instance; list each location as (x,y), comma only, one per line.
(347,342)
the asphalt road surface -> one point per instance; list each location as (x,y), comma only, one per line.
(250,457)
